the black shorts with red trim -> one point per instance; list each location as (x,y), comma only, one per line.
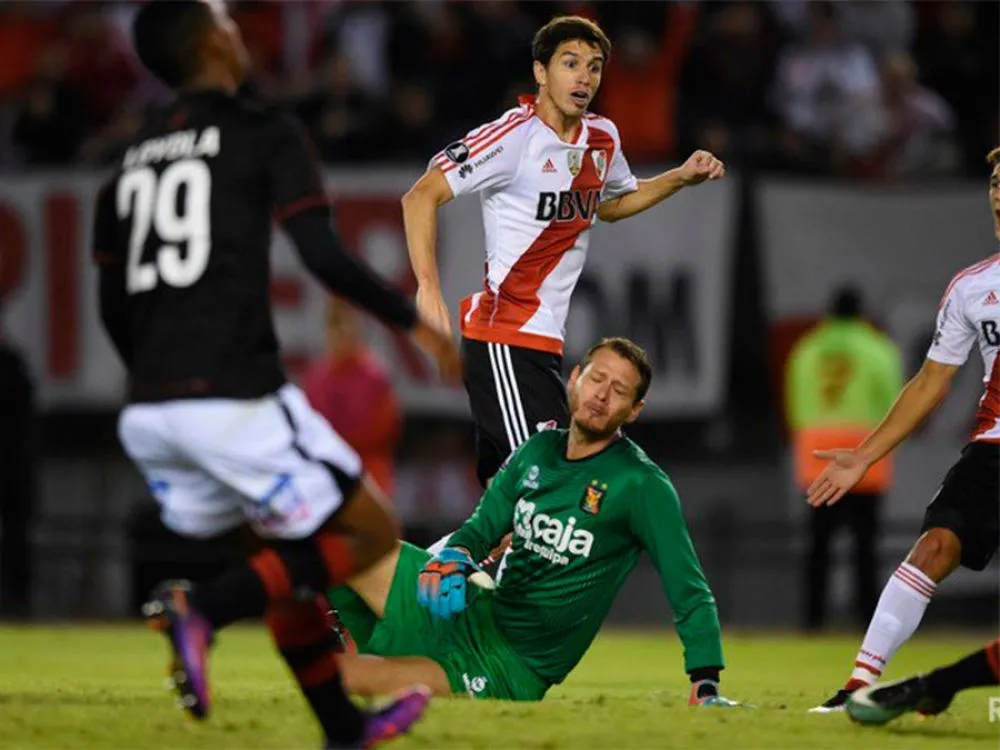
(513,393)
(968,503)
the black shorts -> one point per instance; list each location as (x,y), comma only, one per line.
(513,393)
(968,503)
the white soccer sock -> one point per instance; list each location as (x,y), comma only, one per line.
(899,611)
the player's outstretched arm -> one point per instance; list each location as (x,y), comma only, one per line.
(954,337)
(322,253)
(420,220)
(847,466)
(299,201)
(659,525)
(700,166)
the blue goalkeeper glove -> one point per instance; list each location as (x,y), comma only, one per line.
(706,693)
(443,582)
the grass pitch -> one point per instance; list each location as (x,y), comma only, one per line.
(84,687)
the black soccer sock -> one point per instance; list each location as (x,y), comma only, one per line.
(972,671)
(276,574)
(235,595)
(304,641)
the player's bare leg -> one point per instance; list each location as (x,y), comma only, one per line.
(900,608)
(373,587)
(937,554)
(373,584)
(372,676)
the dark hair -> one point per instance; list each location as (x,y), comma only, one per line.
(626,349)
(563,29)
(846,303)
(993,157)
(167,35)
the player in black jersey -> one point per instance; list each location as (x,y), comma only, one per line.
(182,235)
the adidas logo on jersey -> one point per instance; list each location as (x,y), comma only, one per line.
(548,537)
(549,167)
(991,299)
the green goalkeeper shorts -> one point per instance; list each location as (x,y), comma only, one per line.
(474,655)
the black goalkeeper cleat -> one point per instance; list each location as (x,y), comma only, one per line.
(878,704)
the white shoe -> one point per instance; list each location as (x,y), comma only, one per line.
(824,709)
(835,705)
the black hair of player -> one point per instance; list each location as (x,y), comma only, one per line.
(168,34)
(993,158)
(564,29)
(626,349)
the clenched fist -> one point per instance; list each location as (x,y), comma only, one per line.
(701,166)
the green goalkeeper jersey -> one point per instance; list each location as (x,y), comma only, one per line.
(579,527)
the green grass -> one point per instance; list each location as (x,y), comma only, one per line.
(101,687)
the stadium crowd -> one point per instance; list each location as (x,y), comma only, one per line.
(865,90)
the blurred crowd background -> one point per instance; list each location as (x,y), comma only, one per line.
(855,136)
(865,90)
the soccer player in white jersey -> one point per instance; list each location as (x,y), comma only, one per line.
(961,523)
(545,171)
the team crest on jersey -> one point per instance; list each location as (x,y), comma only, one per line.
(593,496)
(600,157)
(457,152)
(574,160)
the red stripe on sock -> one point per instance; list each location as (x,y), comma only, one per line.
(268,566)
(917,584)
(336,552)
(869,668)
(993,657)
(320,671)
(918,576)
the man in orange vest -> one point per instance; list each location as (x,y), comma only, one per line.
(841,378)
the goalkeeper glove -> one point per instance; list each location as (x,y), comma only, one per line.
(442,582)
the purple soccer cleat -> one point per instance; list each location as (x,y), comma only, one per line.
(395,719)
(190,638)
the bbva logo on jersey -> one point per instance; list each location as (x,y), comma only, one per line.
(567,205)
(548,537)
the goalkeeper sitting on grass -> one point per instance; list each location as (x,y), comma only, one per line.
(582,504)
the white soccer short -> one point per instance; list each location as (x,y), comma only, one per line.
(214,464)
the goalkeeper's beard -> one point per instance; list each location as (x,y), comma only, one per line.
(593,435)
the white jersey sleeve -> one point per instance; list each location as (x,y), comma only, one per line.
(488,157)
(954,335)
(620,178)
